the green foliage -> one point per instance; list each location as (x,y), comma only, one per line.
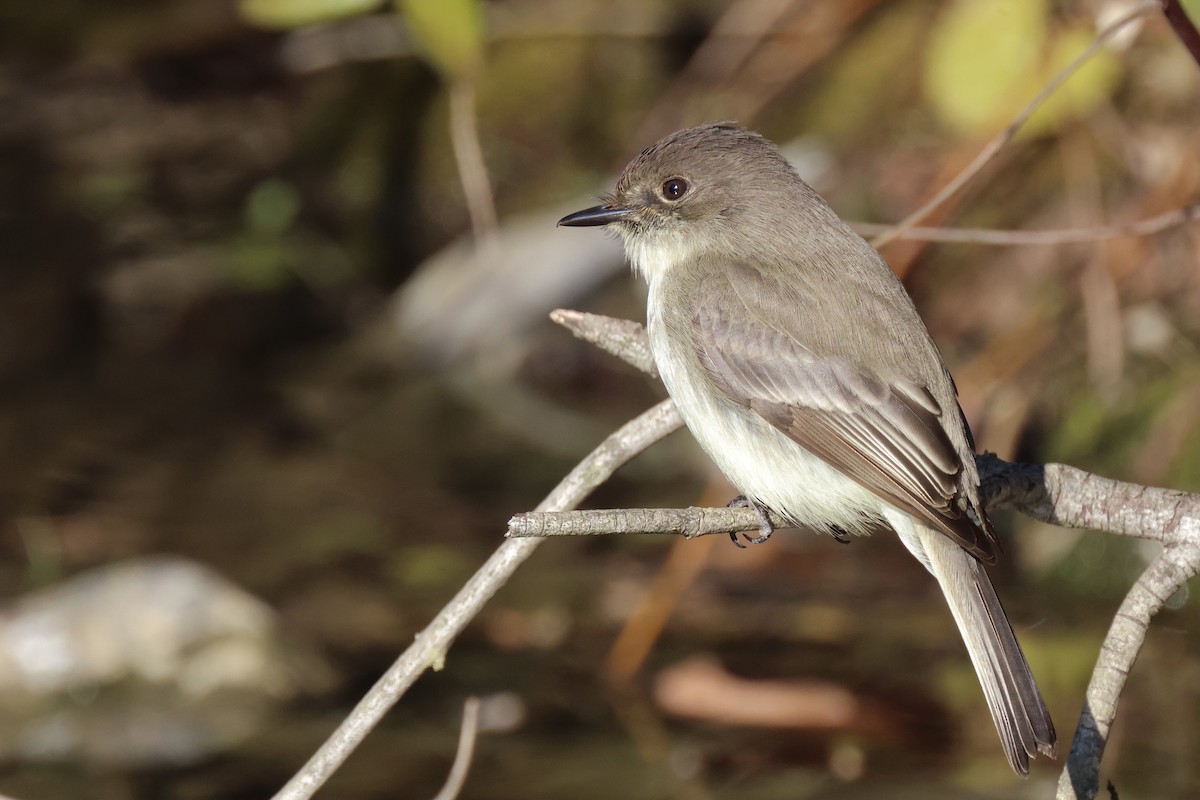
(254,264)
(284,14)
(261,258)
(1185,472)
(980,52)
(1095,436)
(988,58)
(339,533)
(449,32)
(272,207)
(429,566)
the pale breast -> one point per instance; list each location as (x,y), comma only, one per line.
(759,460)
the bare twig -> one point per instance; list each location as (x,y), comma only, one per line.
(1167,575)
(1143,227)
(1069,497)
(994,146)
(687,522)
(623,338)
(1184,28)
(429,649)
(1053,493)
(1056,493)
(468,154)
(466,751)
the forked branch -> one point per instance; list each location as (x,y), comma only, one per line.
(1053,493)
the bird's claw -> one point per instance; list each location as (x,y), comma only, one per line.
(765,528)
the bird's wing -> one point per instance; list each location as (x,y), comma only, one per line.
(886,434)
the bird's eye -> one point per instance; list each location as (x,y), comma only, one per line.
(674,188)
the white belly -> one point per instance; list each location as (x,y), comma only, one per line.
(764,464)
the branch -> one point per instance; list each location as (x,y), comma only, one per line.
(686,522)
(429,649)
(622,338)
(466,752)
(1142,227)
(1184,29)
(1072,498)
(995,145)
(468,155)
(1053,493)
(1056,493)
(1170,571)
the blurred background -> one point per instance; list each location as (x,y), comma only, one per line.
(275,369)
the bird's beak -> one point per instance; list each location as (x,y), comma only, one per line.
(597,215)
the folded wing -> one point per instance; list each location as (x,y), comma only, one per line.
(886,434)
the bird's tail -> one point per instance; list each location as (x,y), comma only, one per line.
(1018,710)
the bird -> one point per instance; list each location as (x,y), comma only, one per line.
(801,366)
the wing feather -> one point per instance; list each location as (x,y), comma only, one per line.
(888,435)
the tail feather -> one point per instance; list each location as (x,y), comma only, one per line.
(1017,707)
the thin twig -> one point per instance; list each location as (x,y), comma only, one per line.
(1183,26)
(468,154)
(1143,227)
(466,752)
(1054,493)
(622,338)
(430,647)
(993,147)
(689,522)
(1080,780)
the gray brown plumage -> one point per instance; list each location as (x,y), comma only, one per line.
(800,365)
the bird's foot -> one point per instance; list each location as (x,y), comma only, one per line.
(765,528)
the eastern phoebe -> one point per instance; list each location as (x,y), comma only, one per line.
(799,363)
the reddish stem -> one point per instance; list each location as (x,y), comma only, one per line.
(1183,26)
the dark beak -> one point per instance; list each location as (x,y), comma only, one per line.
(591,217)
